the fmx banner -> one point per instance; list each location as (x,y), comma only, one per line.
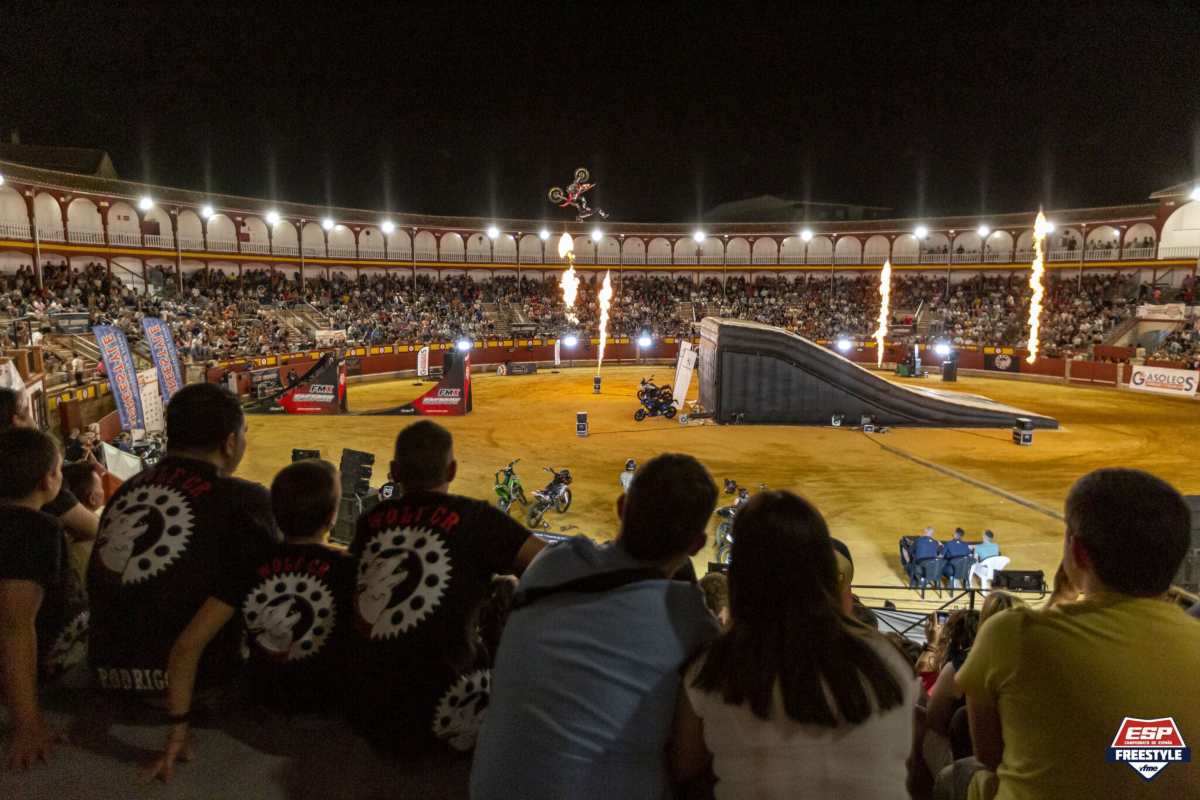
(165,356)
(122,377)
(423,362)
(683,372)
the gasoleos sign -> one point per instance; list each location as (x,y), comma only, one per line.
(1163,380)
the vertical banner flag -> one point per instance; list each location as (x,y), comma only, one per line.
(166,357)
(683,372)
(423,362)
(122,377)
(557,352)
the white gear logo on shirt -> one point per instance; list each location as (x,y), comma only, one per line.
(402,575)
(290,616)
(145,532)
(70,646)
(461,710)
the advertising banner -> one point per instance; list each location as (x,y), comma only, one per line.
(1001,362)
(153,408)
(423,362)
(1163,380)
(683,372)
(122,377)
(557,353)
(165,356)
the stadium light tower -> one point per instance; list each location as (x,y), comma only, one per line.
(387,227)
(806,235)
(570,340)
(146,203)
(272,218)
(463,345)
(844,345)
(1,180)
(597,235)
(327,224)
(206,211)
(941,349)
(920,231)
(543,234)
(1195,195)
(698,237)
(643,341)
(493,232)
(983,231)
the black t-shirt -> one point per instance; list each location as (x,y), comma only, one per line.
(423,564)
(63,502)
(33,548)
(171,537)
(295,615)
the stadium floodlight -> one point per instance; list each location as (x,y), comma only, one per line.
(844,345)
(146,203)
(643,341)
(983,230)
(942,349)
(493,232)
(272,218)
(206,211)
(1045,227)
(1,180)
(920,231)
(543,234)
(806,235)
(1195,195)
(463,345)
(570,341)
(597,235)
(327,224)
(387,227)
(698,237)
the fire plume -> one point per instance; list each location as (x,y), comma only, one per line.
(1035,283)
(605,298)
(885,310)
(570,281)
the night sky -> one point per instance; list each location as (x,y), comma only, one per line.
(445,109)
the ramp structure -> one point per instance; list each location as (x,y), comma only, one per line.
(320,390)
(450,397)
(755,373)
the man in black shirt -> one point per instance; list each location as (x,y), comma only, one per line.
(297,608)
(170,566)
(424,563)
(80,523)
(43,618)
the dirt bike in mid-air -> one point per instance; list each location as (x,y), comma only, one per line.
(556,495)
(508,487)
(656,400)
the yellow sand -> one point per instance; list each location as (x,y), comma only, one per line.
(869,496)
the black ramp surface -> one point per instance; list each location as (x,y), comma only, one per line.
(770,376)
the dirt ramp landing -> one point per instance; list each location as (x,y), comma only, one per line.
(756,373)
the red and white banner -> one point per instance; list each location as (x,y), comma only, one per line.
(1163,380)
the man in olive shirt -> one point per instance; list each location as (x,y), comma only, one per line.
(1047,691)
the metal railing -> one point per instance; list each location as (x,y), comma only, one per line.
(124,237)
(286,249)
(53,235)
(154,240)
(188,243)
(86,237)
(257,248)
(223,245)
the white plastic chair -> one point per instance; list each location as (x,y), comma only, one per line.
(986,569)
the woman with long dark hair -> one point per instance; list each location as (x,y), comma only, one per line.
(795,698)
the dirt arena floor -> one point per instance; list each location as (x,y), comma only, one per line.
(869,487)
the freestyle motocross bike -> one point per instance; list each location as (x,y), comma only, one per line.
(508,487)
(656,400)
(556,495)
(727,514)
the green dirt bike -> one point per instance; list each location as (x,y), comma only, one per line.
(508,488)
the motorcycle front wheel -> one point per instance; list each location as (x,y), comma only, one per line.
(563,502)
(521,496)
(670,412)
(640,414)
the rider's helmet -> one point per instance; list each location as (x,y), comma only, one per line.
(563,475)
(730,486)
(743,493)
(630,465)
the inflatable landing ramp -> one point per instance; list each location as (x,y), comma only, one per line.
(756,373)
(320,390)
(450,397)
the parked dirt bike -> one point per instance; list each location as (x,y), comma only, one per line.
(508,488)
(556,495)
(656,400)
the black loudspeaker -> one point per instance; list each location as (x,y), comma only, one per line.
(949,371)
(1020,580)
(303,455)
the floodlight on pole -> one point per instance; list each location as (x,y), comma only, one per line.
(806,235)
(146,203)
(643,341)
(272,218)
(597,235)
(1195,195)
(543,234)
(493,232)
(387,227)
(921,232)
(463,345)
(206,211)
(844,345)
(983,230)
(327,224)
(698,237)
(570,341)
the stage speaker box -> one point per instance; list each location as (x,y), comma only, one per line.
(1022,433)
(949,372)
(1019,580)
(581,423)
(304,455)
